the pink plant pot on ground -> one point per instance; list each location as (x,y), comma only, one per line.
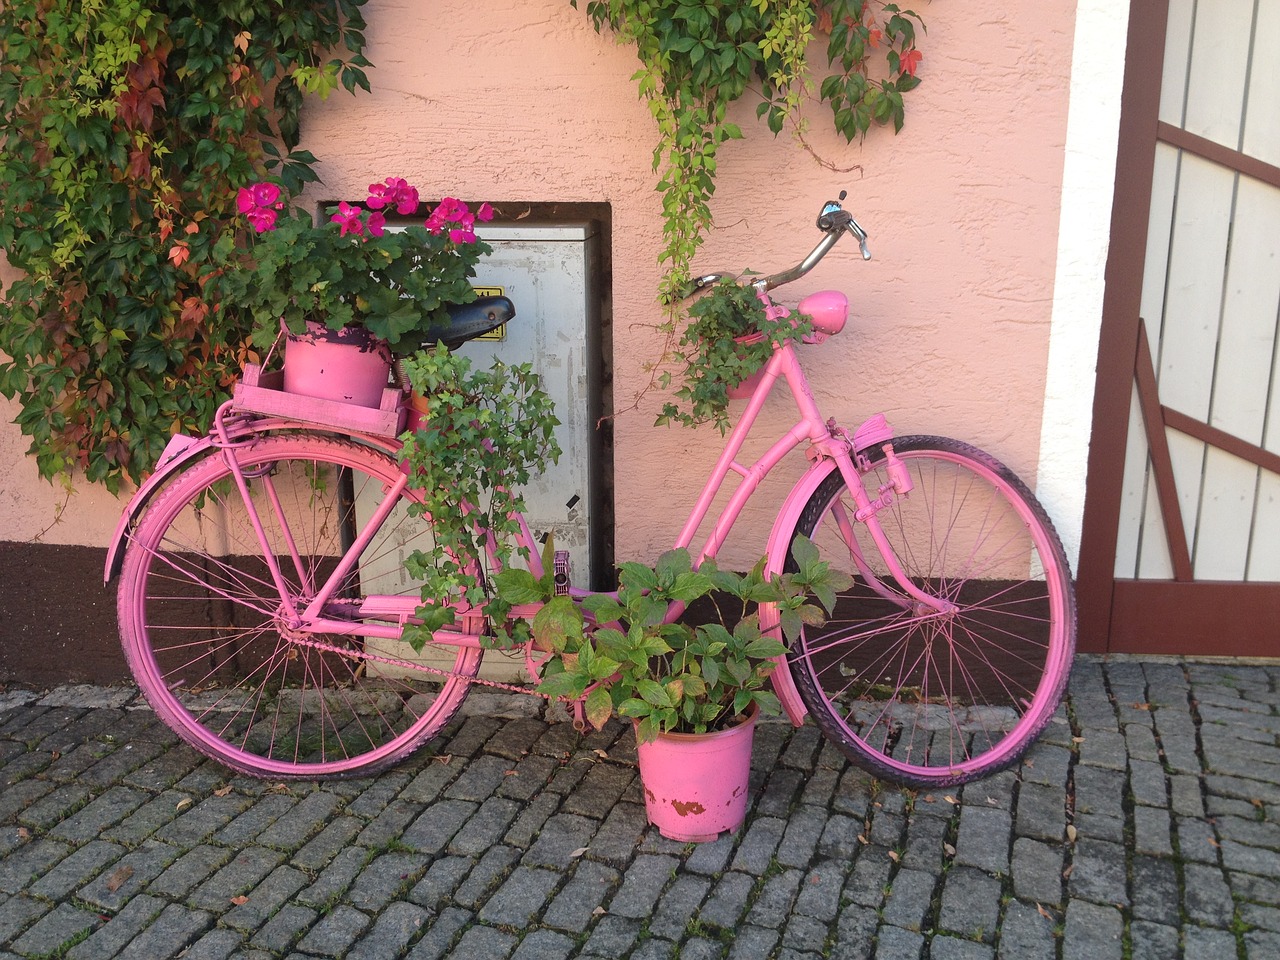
(350,365)
(696,784)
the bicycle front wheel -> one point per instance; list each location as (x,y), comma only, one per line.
(919,696)
(206,631)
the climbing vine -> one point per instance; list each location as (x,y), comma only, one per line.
(697,58)
(126,128)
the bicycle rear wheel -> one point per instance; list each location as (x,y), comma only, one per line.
(204,630)
(926,698)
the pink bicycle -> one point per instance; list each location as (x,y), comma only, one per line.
(245,622)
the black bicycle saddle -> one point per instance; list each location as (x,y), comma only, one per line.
(470,320)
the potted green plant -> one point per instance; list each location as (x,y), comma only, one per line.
(346,279)
(693,692)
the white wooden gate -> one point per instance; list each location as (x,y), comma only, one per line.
(1198,513)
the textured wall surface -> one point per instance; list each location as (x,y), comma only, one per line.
(519,101)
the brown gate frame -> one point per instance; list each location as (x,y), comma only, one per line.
(1154,616)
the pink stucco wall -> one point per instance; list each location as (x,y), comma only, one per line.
(520,101)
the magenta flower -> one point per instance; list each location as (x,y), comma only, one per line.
(376,223)
(259,204)
(485,213)
(456,217)
(348,220)
(394,192)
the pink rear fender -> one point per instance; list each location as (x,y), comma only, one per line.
(781,680)
(180,450)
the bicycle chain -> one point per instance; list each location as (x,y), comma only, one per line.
(416,667)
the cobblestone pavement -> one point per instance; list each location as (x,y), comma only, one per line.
(1145,824)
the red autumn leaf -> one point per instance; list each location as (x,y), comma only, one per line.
(179,253)
(874,37)
(910,60)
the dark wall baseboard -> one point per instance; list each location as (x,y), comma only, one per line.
(57,618)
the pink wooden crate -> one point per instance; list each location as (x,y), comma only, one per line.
(261,392)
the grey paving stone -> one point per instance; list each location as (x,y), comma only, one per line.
(712,857)
(522,895)
(1152,941)
(386,878)
(1206,943)
(1098,873)
(970,904)
(217,944)
(545,945)
(924,850)
(870,877)
(679,904)
(819,895)
(574,906)
(327,844)
(908,902)
(306,820)
(1155,890)
(192,868)
(54,807)
(485,876)
(758,845)
(600,789)
(335,933)
(562,836)
(773,905)
(751,943)
(839,839)
(804,829)
(253,821)
(1037,871)
(1207,897)
(1151,831)
(484,943)
(121,930)
(642,885)
(1099,791)
(283,929)
(980,842)
(898,943)
(436,825)
(613,936)
(265,899)
(727,902)
(55,930)
(1092,932)
(1042,811)
(780,789)
(76,870)
(437,941)
(442,878)
(392,932)
(334,880)
(172,932)
(1026,934)
(616,839)
(18,913)
(804,936)
(101,812)
(238,877)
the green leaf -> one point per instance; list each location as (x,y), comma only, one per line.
(599,707)
(517,586)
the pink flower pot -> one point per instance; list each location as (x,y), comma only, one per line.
(349,365)
(695,784)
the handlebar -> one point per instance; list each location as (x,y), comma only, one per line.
(834,221)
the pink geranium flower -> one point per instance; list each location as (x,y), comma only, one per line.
(348,220)
(394,192)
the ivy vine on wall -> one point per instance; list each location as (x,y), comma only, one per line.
(126,127)
(697,58)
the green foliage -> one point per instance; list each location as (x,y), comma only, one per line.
(126,127)
(394,283)
(484,434)
(697,58)
(727,339)
(671,677)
